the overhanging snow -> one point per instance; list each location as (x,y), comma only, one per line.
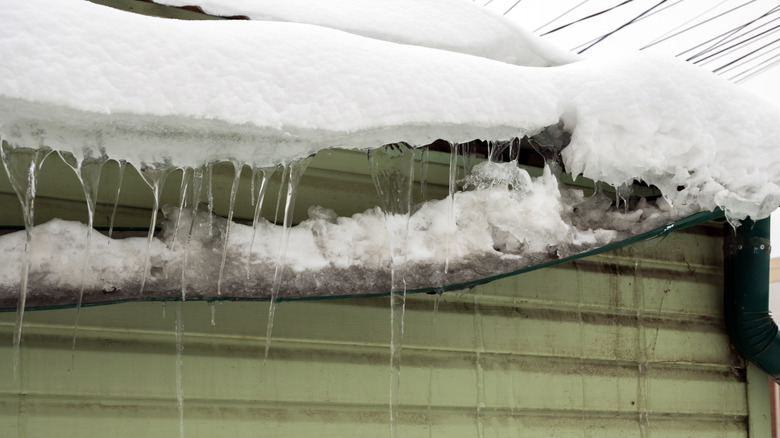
(95,84)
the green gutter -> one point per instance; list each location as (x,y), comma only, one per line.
(660,232)
(751,328)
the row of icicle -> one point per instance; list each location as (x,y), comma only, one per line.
(392,171)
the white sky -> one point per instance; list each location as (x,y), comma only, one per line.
(671,17)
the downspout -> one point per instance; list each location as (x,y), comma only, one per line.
(746,295)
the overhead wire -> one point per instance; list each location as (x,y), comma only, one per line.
(681,25)
(512,7)
(734,33)
(698,24)
(750,58)
(723,52)
(726,34)
(623,26)
(643,18)
(559,17)
(587,18)
(721,68)
(756,70)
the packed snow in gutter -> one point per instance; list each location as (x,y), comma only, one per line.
(94,84)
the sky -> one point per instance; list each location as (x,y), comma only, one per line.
(689,26)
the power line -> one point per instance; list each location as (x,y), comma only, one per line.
(651,43)
(623,26)
(743,57)
(558,17)
(588,17)
(723,52)
(513,6)
(750,58)
(697,25)
(757,71)
(637,21)
(735,32)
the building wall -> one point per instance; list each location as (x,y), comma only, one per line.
(630,343)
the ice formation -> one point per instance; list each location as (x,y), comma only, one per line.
(93,84)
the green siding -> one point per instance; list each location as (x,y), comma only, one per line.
(551,353)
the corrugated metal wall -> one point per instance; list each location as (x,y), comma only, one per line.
(626,344)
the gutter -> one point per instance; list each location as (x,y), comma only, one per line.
(751,328)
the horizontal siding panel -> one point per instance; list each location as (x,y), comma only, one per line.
(613,345)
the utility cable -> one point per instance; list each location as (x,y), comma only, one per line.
(513,6)
(734,33)
(623,26)
(776,62)
(698,24)
(558,17)
(588,17)
(721,68)
(652,43)
(637,21)
(750,59)
(723,52)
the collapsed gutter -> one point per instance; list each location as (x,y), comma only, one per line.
(751,328)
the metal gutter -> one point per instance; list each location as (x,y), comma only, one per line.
(751,328)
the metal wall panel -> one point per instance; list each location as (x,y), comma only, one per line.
(625,344)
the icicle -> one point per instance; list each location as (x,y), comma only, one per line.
(642,356)
(282,183)
(180,365)
(88,173)
(208,176)
(294,173)
(396,343)
(265,174)
(22,166)
(213,314)
(624,192)
(451,224)
(120,176)
(186,179)
(424,158)
(155,178)
(197,186)
(468,151)
(434,341)
(436,299)
(163,310)
(233,189)
(479,336)
(392,170)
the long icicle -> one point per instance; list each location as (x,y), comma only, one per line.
(88,173)
(155,178)
(120,176)
(451,225)
(258,198)
(392,170)
(186,179)
(233,189)
(22,167)
(180,365)
(294,173)
(197,186)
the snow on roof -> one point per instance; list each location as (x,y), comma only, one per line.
(279,91)
(91,80)
(454,25)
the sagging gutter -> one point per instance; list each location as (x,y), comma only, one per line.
(751,328)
